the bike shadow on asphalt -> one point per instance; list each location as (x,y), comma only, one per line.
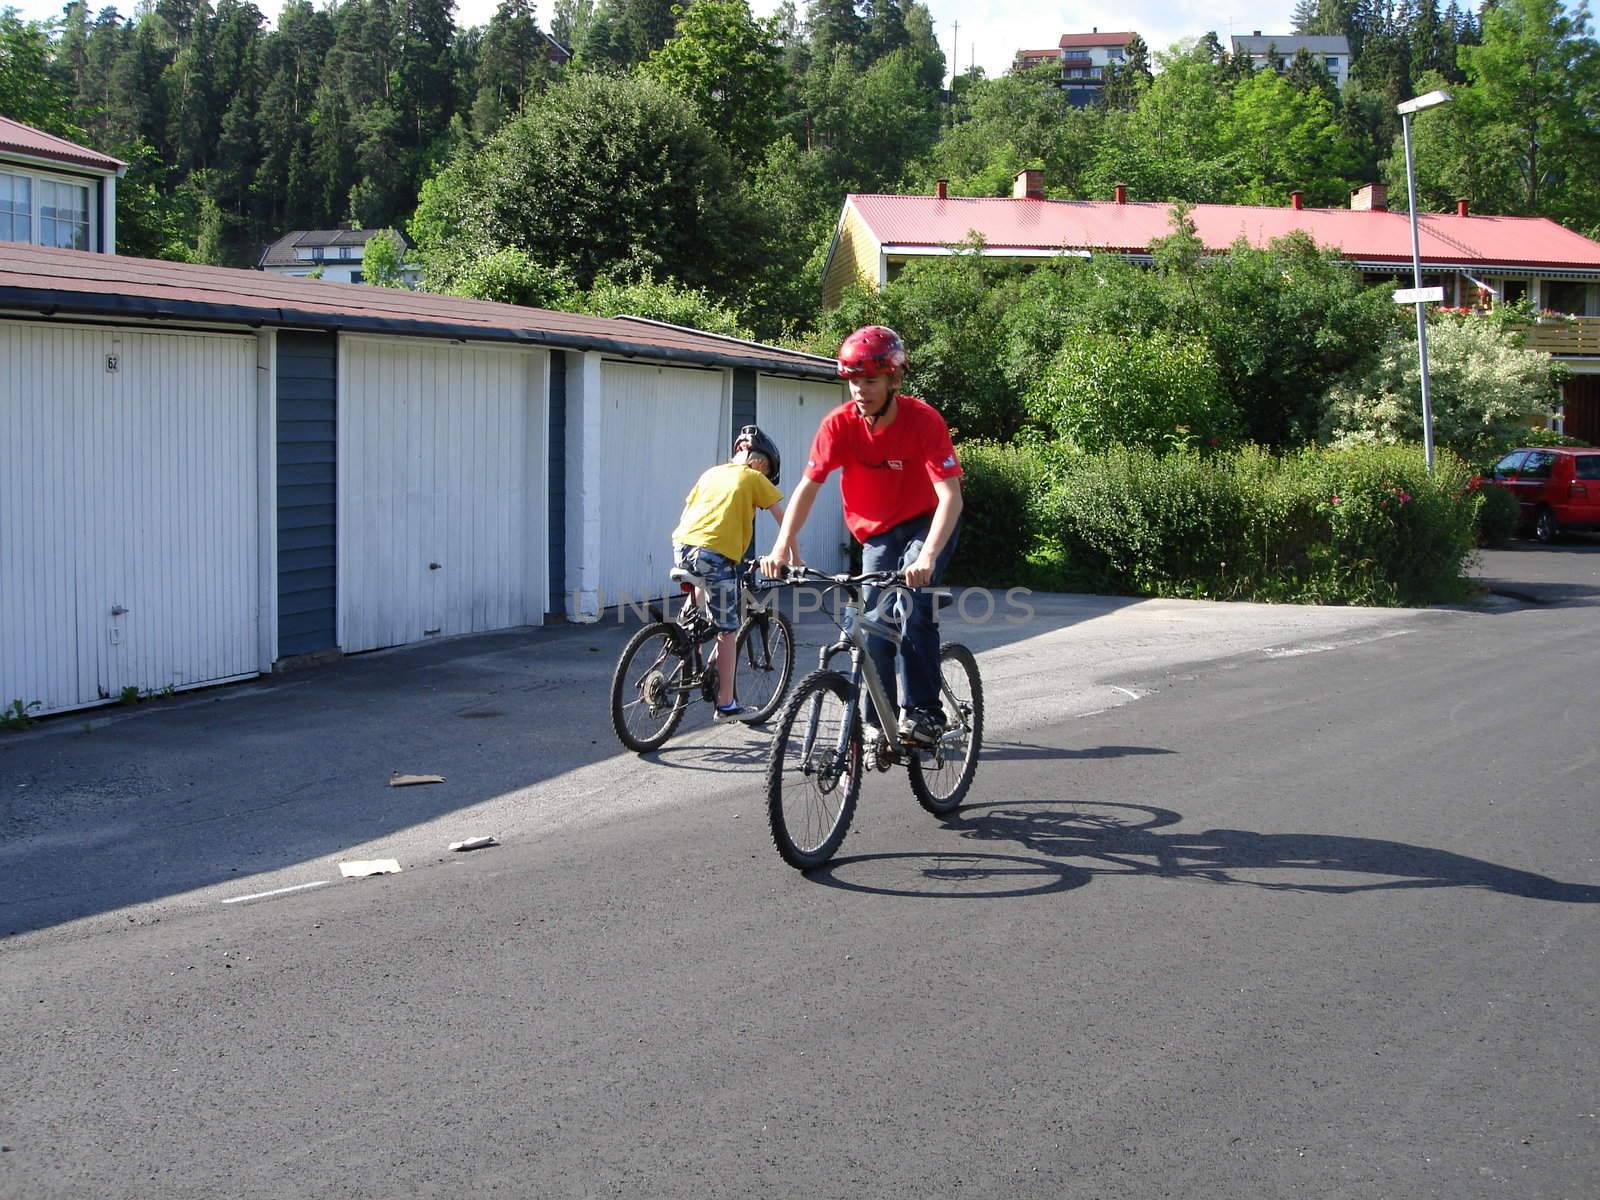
(1073,842)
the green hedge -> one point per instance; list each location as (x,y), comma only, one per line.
(1365,525)
(1004,492)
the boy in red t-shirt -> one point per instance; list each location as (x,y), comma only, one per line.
(901,487)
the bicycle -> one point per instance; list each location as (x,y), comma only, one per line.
(818,755)
(647,704)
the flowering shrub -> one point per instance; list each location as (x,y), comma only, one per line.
(1485,388)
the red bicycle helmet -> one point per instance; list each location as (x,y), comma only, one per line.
(871,350)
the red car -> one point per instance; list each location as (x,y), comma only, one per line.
(1557,488)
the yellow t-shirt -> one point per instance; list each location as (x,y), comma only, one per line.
(721,509)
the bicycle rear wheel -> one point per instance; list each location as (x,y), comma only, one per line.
(650,687)
(814,771)
(941,782)
(765,662)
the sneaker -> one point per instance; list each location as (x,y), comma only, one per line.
(734,712)
(921,726)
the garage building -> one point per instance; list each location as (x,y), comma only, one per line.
(207,472)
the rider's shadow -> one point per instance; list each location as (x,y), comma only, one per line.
(1123,839)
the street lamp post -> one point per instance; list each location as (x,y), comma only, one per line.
(1407,111)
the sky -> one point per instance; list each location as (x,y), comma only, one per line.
(985,32)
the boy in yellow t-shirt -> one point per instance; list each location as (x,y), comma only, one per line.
(713,534)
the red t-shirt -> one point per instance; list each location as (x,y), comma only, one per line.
(889,475)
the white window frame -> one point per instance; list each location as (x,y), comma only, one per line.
(36,177)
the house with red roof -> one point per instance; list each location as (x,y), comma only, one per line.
(1082,59)
(56,193)
(1474,257)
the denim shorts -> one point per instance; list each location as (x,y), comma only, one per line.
(722,582)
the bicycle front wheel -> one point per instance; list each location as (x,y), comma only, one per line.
(814,772)
(765,662)
(941,780)
(650,687)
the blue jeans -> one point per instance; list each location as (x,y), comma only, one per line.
(917,680)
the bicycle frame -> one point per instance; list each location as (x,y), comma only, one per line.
(859,625)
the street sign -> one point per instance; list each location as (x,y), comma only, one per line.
(1433,295)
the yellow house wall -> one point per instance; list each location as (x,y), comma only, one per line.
(855,255)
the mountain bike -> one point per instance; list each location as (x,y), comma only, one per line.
(819,753)
(664,665)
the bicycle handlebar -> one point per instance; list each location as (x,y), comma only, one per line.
(802,574)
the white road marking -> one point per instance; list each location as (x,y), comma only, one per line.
(1323,647)
(1131,695)
(298,887)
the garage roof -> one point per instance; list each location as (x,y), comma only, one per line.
(37,279)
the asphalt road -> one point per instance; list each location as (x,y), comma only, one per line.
(1312,916)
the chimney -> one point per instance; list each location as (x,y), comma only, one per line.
(1461,207)
(1122,193)
(941,188)
(1297,200)
(1371,197)
(1028,185)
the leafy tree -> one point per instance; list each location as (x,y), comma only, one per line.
(1282,321)
(512,62)
(600,174)
(1534,87)
(835,25)
(30,90)
(726,64)
(383,259)
(1159,391)
(1281,139)
(1172,146)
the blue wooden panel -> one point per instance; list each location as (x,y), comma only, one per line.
(305,629)
(304,452)
(302,410)
(319,433)
(302,539)
(744,401)
(290,388)
(307,505)
(302,601)
(315,517)
(557,483)
(303,366)
(301,560)
(293,474)
(305,495)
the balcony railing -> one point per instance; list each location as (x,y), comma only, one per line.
(1567,337)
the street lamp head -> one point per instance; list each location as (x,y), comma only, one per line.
(1431,100)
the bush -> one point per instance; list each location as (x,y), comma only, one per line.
(513,276)
(660,301)
(1498,515)
(1358,526)
(1004,488)
(1158,391)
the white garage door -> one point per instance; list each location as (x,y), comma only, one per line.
(442,490)
(790,410)
(659,428)
(128,512)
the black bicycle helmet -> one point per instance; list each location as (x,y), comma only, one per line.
(751,438)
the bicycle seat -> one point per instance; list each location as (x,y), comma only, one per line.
(687,578)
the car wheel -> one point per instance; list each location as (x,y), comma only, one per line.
(1545,527)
